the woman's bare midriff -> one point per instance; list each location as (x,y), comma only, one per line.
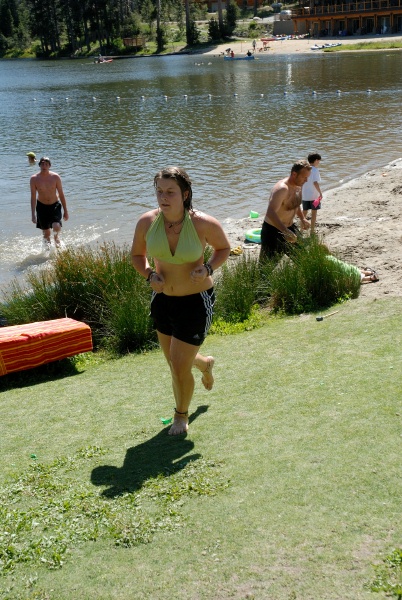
(178,281)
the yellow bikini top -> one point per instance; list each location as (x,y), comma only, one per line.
(189,248)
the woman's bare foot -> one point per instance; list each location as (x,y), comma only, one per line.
(207,377)
(180,424)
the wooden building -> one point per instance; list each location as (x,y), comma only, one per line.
(348,17)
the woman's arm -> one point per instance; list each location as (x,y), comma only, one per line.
(139,257)
(217,239)
(210,232)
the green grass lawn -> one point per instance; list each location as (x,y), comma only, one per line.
(287,486)
(389,45)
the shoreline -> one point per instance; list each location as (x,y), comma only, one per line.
(359,221)
(297,46)
(240,47)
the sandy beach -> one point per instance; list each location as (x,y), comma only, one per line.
(360,222)
(296,46)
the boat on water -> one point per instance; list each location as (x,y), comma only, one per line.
(103,60)
(239,57)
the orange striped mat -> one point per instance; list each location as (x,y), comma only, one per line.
(26,346)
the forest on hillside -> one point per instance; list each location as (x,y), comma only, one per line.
(53,28)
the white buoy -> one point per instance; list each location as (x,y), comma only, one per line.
(369,91)
(165,97)
(93,98)
(117,97)
(261,95)
(67,99)
(185,96)
(34,99)
(235,94)
(210,96)
(338,91)
(314,93)
(142,97)
(285,93)
(51,99)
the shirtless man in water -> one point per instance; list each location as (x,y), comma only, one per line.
(284,204)
(47,199)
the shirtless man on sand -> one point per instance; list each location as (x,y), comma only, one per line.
(47,199)
(284,204)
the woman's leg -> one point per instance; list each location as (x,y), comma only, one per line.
(180,357)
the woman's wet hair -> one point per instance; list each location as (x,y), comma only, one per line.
(182,179)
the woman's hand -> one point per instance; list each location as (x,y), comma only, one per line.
(198,274)
(157,282)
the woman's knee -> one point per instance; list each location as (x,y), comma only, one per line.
(181,369)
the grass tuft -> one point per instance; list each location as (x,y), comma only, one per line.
(236,289)
(97,286)
(305,280)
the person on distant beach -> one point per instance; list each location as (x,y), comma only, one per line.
(278,228)
(182,301)
(31,158)
(311,191)
(47,200)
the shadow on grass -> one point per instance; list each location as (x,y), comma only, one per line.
(48,372)
(158,456)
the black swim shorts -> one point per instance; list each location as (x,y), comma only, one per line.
(187,318)
(273,241)
(308,205)
(47,214)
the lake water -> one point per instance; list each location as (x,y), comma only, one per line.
(235,126)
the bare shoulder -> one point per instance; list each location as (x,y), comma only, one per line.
(281,186)
(209,230)
(141,229)
(203,220)
(145,220)
(280,190)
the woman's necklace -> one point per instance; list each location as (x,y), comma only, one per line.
(171,226)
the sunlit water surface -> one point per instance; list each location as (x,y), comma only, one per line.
(235,126)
